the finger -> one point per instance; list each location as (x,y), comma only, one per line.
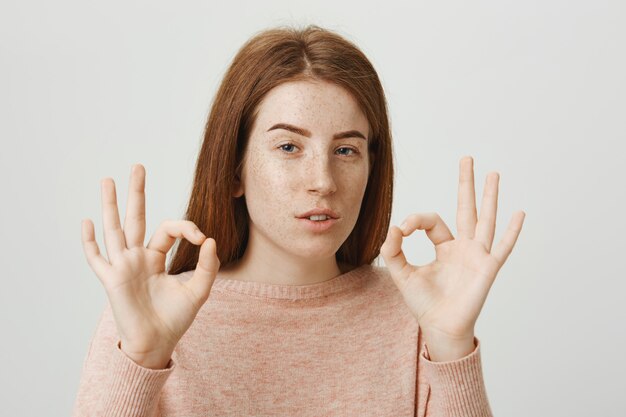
(502,251)
(96,261)
(391,251)
(170,230)
(114,240)
(486,227)
(436,229)
(206,270)
(466,207)
(135,218)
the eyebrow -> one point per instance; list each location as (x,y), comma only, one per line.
(304,132)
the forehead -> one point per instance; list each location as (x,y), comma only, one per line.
(316,105)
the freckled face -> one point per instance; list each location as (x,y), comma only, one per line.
(286,174)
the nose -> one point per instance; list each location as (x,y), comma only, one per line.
(319,176)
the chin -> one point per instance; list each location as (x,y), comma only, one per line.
(316,250)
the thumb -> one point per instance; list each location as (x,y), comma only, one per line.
(206,270)
(394,258)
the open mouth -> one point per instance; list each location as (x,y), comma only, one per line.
(317,225)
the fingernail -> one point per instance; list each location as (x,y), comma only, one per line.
(403,226)
(199,233)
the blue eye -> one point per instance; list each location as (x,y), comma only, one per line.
(354,151)
(286,144)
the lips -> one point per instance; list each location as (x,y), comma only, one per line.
(318,226)
(319,210)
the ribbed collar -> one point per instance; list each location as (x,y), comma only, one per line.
(348,280)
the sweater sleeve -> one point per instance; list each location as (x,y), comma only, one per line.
(456,388)
(112,384)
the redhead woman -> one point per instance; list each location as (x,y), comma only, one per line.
(272,304)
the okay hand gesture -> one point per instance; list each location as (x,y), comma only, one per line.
(152,309)
(447,295)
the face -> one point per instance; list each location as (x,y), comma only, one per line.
(305,152)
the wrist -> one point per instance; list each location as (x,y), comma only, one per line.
(444,348)
(157,359)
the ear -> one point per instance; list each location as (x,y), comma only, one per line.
(237,188)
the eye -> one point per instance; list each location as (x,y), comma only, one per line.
(286,144)
(354,151)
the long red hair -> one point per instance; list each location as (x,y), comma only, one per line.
(269,58)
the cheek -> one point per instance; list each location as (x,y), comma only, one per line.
(268,187)
(353,190)
(354,181)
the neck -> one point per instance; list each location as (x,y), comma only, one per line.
(275,267)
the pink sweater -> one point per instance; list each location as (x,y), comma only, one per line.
(348,346)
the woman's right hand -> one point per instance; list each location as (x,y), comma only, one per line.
(152,309)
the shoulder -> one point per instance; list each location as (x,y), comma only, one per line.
(380,277)
(377,271)
(384,294)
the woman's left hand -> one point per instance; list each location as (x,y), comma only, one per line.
(447,295)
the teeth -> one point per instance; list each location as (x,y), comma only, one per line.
(318,217)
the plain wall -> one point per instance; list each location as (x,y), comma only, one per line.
(534,90)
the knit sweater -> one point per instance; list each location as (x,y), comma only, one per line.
(348,346)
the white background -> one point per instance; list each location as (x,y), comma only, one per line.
(534,90)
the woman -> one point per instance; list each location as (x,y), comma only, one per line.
(290,206)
